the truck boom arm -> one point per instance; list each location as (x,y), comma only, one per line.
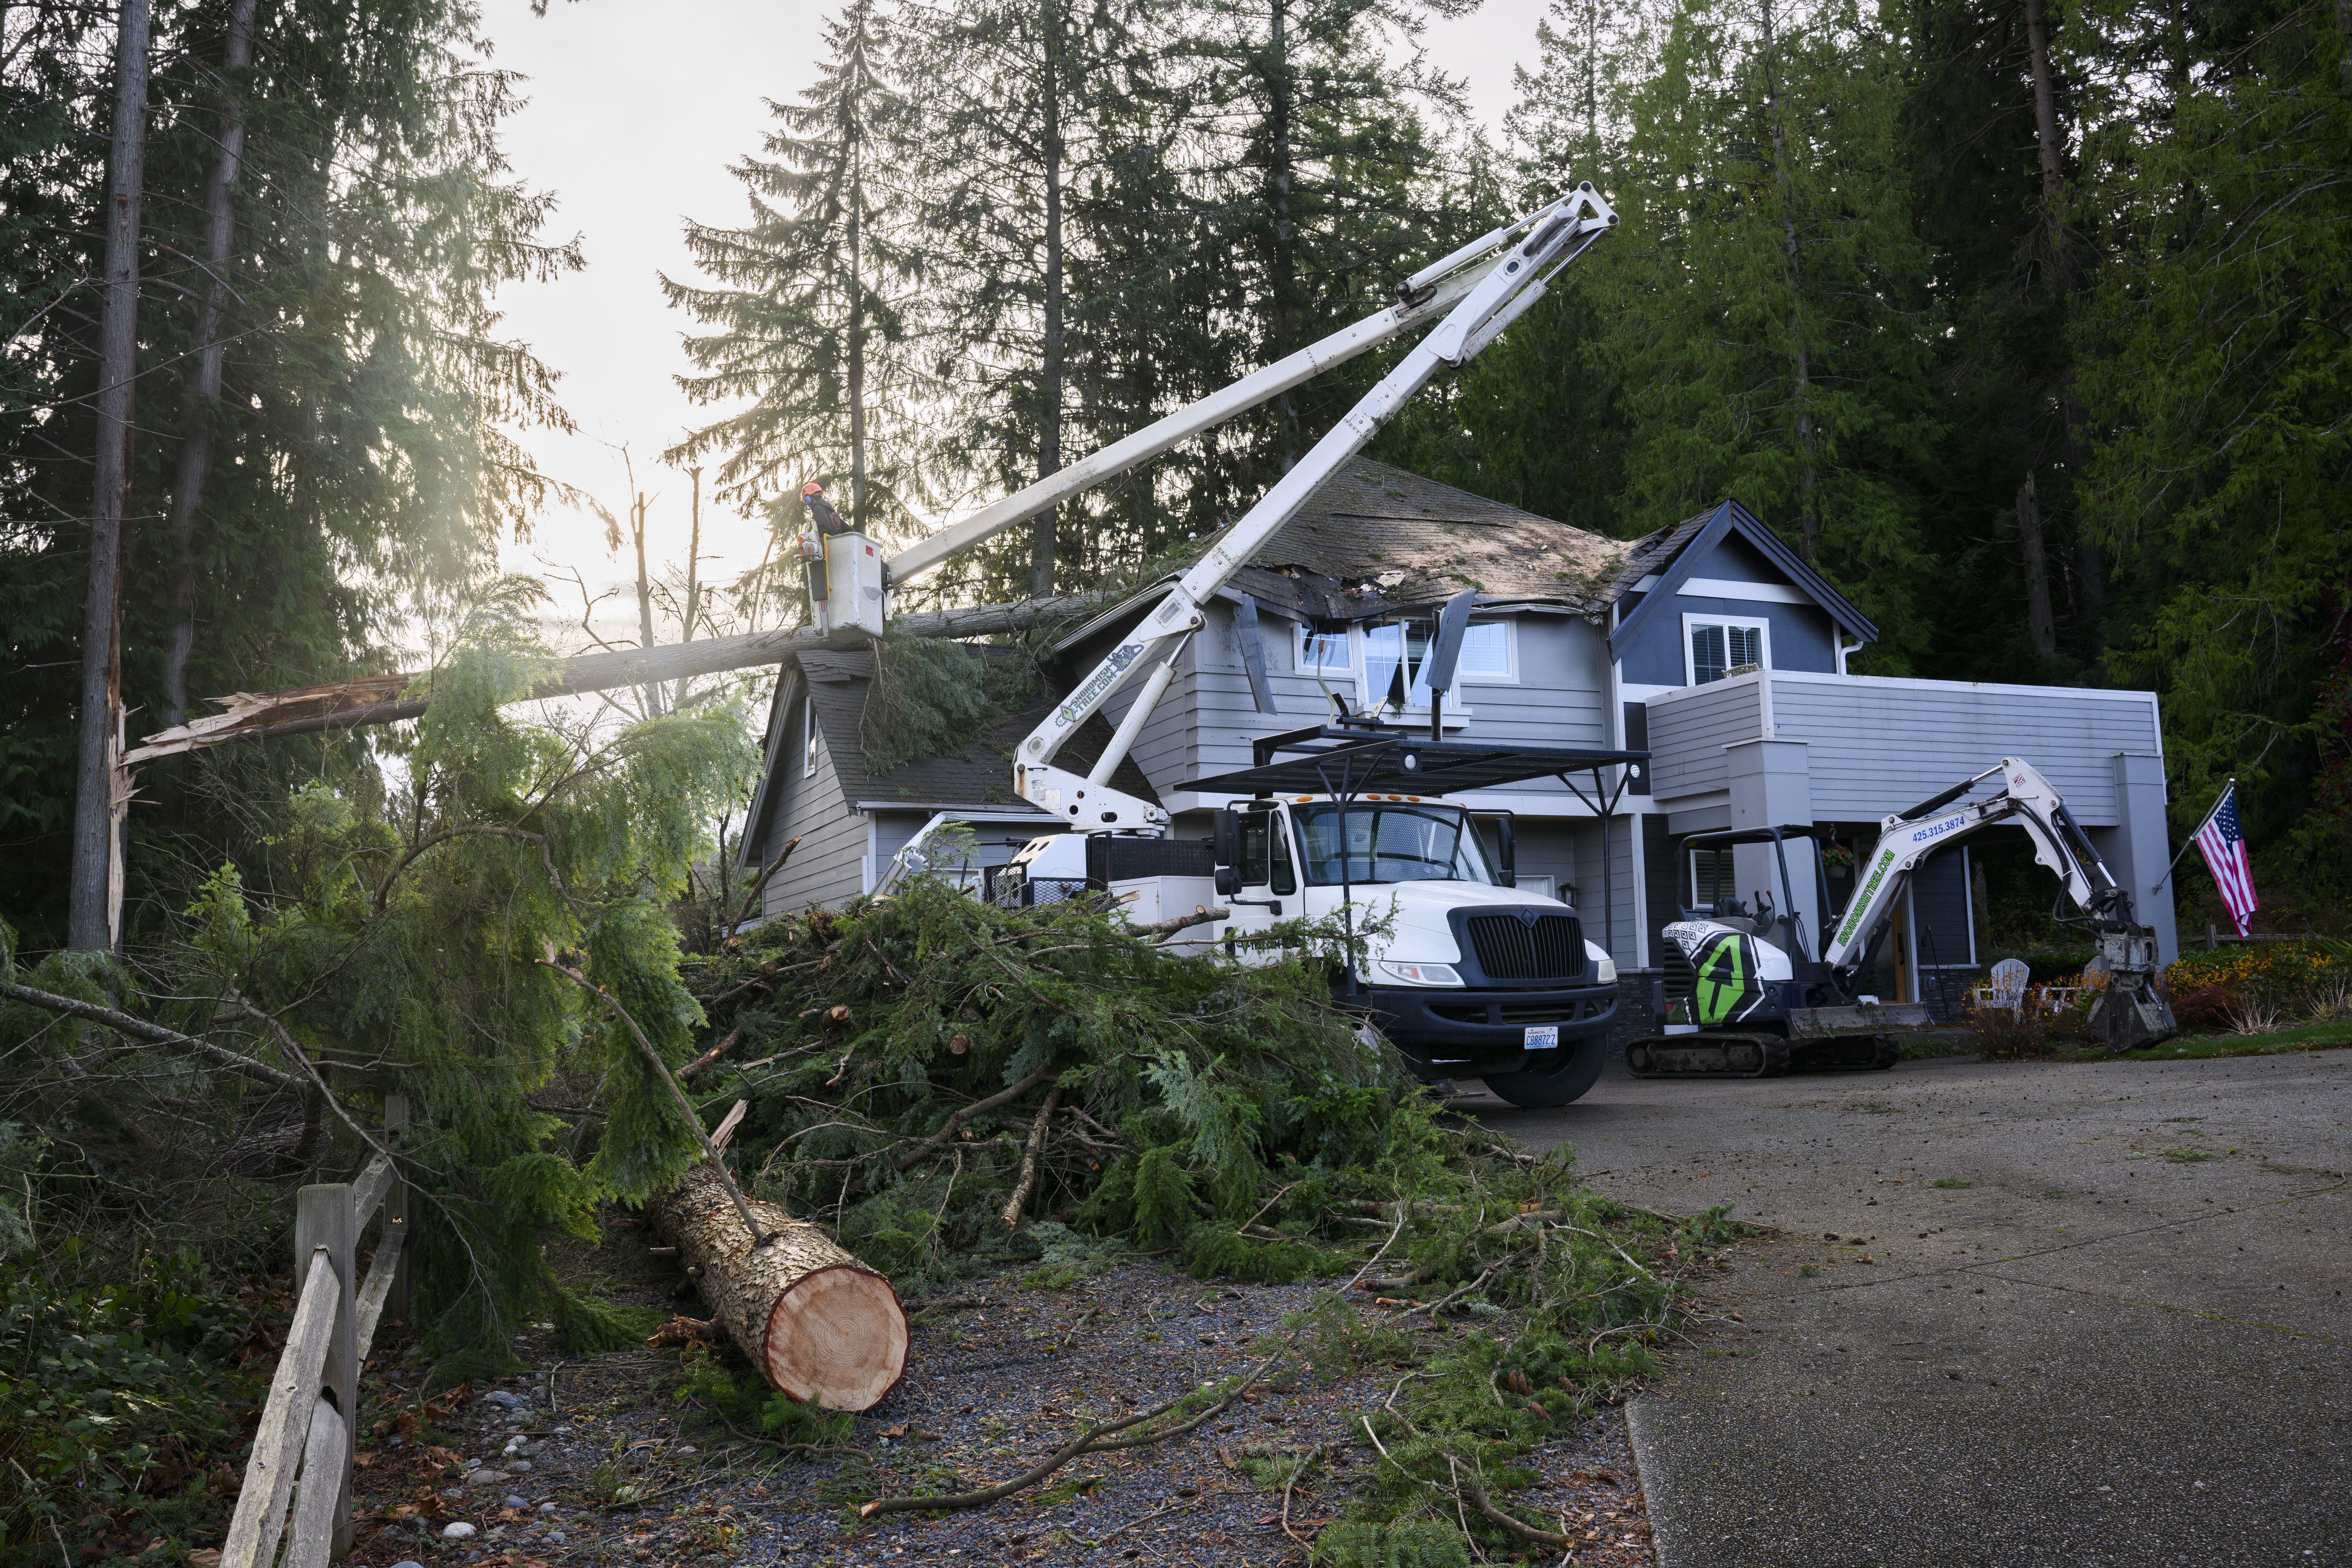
(1503,290)
(1424,297)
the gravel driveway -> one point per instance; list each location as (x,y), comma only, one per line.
(2008,1313)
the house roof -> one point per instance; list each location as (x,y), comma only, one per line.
(1373,539)
(1673,553)
(977,777)
(983,769)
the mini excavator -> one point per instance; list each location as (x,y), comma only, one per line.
(1744,999)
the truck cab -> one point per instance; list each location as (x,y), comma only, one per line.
(1464,973)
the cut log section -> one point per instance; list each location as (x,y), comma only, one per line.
(817,1323)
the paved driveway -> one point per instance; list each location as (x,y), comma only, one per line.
(2091,1314)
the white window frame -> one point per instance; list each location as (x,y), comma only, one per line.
(1354,672)
(1510,675)
(808,736)
(1692,622)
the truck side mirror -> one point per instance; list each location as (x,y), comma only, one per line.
(1507,841)
(1226,849)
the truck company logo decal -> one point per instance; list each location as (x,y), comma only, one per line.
(1112,668)
(1862,898)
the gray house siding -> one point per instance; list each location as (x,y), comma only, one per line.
(824,869)
(1883,745)
(1688,735)
(1791,747)
(1208,720)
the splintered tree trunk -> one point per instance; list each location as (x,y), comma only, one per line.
(818,1323)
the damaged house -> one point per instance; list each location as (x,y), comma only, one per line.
(1710,645)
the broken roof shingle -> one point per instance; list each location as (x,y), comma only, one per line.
(1415,541)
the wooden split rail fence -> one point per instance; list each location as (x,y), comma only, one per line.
(302,1449)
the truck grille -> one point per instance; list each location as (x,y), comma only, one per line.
(1509,947)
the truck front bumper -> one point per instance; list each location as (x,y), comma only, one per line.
(1475,1030)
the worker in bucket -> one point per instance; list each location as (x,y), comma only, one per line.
(823,522)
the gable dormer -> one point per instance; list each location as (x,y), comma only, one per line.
(1718,595)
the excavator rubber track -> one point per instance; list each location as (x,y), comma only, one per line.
(1713,1053)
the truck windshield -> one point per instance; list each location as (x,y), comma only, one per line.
(1390,844)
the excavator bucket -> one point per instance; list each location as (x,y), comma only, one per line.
(2129,1014)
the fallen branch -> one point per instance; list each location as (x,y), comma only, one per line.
(931,1145)
(1171,927)
(1020,1198)
(1090,1441)
(751,899)
(707,1058)
(149,1034)
(1468,1487)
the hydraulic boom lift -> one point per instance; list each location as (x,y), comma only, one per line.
(1469,976)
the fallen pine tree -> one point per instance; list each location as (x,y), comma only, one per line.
(955,1088)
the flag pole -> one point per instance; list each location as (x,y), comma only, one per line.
(2193,832)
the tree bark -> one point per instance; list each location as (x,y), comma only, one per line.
(1280,179)
(2039,622)
(851,132)
(383,699)
(1044,538)
(644,598)
(817,1323)
(204,402)
(94,894)
(693,593)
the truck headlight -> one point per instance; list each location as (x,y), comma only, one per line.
(1418,974)
(1605,967)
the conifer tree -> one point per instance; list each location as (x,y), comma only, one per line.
(810,306)
(1771,308)
(2218,358)
(1328,145)
(362,453)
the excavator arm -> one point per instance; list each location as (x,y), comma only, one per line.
(2129,1012)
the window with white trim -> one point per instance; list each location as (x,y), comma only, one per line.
(1388,661)
(808,739)
(1715,647)
(1324,651)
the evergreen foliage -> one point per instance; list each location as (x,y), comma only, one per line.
(404,942)
(364,458)
(811,315)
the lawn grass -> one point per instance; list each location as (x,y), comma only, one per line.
(2332,1036)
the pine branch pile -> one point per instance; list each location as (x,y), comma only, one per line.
(958,1088)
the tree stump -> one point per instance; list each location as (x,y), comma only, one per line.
(817,1323)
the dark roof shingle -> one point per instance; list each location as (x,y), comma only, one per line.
(838,683)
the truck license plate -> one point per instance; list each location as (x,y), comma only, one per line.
(1543,1036)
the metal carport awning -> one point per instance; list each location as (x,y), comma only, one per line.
(1351,762)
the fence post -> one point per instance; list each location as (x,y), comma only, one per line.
(395,1209)
(2212,936)
(323,1218)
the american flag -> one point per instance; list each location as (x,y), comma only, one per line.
(2224,848)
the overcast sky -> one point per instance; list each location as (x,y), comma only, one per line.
(637,108)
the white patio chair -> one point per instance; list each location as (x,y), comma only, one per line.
(2008,978)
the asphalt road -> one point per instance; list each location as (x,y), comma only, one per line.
(2072,1314)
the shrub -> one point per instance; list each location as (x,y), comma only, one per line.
(2007,1037)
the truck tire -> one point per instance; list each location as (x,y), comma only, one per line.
(1549,1088)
